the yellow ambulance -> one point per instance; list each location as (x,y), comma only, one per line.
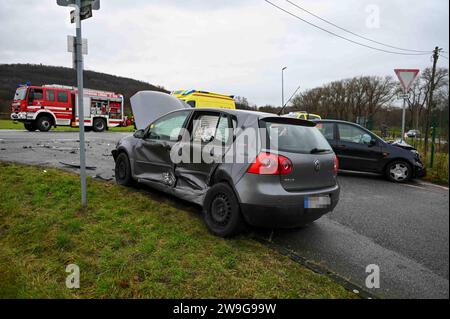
(205,99)
(305,115)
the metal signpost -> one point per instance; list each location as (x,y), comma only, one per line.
(83,10)
(406,77)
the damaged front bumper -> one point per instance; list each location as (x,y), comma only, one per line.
(419,170)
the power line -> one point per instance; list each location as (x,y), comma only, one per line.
(353,33)
(445,57)
(340,36)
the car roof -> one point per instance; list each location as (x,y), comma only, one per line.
(259,115)
(337,121)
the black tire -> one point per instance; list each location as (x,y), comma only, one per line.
(398,171)
(99,125)
(30,127)
(221,211)
(44,123)
(123,170)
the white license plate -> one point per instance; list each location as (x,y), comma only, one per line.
(317,201)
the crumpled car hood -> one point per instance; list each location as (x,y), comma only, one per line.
(402,144)
(147,106)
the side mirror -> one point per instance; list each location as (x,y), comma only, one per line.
(139,134)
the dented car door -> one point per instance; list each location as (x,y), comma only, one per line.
(152,152)
(209,135)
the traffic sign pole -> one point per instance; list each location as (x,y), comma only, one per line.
(83,10)
(79,58)
(406,77)
(403,118)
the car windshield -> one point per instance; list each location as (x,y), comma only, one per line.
(295,138)
(20,94)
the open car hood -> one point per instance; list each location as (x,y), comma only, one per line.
(147,106)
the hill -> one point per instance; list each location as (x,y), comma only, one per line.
(13,74)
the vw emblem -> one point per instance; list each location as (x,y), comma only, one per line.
(316,165)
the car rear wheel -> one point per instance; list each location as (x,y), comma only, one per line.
(44,123)
(123,170)
(221,211)
(398,171)
(30,127)
(99,125)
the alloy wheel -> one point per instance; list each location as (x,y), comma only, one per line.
(399,172)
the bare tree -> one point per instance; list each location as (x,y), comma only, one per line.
(348,99)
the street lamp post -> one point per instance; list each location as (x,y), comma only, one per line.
(282,85)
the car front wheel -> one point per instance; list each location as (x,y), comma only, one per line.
(123,170)
(398,171)
(221,211)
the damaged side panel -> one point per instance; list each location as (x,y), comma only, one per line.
(190,180)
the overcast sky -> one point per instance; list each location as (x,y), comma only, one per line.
(228,46)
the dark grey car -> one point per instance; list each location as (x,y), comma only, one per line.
(281,175)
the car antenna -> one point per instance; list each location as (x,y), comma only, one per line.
(285,104)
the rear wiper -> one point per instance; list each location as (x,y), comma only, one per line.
(319,150)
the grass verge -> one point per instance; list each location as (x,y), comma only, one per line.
(128,245)
(11,125)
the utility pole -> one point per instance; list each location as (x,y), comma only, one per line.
(430,99)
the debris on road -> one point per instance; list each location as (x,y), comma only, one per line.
(74,165)
(102,178)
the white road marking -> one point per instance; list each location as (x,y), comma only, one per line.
(414,186)
(433,185)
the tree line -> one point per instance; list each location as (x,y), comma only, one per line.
(375,98)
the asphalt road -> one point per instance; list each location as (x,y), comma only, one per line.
(402,228)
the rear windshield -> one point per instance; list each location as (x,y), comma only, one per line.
(294,138)
(20,94)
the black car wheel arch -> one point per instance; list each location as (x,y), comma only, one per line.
(221,211)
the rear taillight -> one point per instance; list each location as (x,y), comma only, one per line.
(270,164)
(336,164)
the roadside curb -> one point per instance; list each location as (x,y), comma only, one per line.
(317,268)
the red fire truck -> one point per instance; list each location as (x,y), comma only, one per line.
(41,107)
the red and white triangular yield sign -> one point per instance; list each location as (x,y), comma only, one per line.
(407,77)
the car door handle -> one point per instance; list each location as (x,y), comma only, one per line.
(166,146)
(341,146)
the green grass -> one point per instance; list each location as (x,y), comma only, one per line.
(129,245)
(439,172)
(11,125)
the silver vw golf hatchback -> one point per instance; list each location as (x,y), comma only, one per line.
(242,167)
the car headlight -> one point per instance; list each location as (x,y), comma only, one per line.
(416,153)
